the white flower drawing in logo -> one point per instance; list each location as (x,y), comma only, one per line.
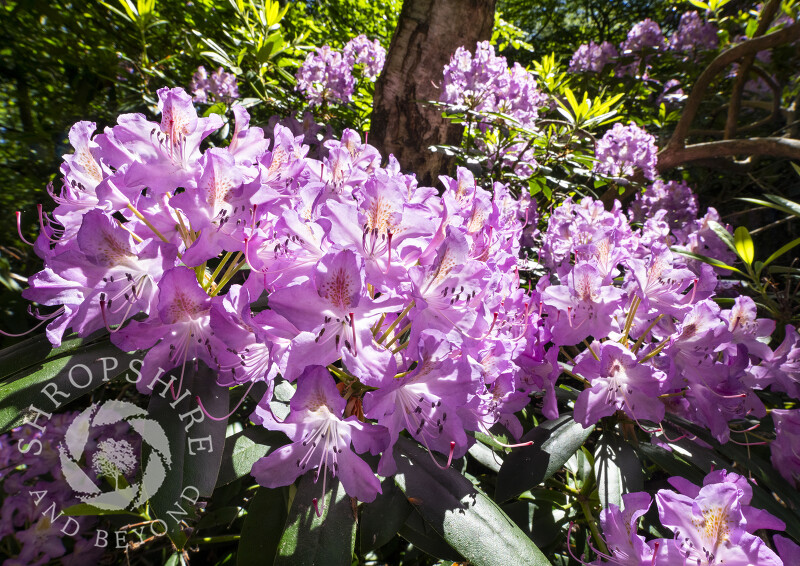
(115,458)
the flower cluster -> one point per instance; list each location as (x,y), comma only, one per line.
(675,197)
(219,87)
(484,83)
(625,148)
(326,75)
(362,51)
(713,524)
(409,301)
(693,36)
(644,35)
(35,492)
(592,57)
(659,343)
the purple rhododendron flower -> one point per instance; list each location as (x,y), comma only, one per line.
(326,76)
(693,34)
(619,382)
(362,51)
(592,57)
(644,35)
(675,197)
(710,528)
(219,87)
(713,525)
(321,439)
(786,446)
(624,148)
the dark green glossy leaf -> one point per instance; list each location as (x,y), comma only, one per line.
(381,519)
(310,540)
(617,469)
(33,351)
(261,532)
(196,446)
(425,538)
(462,514)
(51,385)
(538,520)
(554,442)
(244,449)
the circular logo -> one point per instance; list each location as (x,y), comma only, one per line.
(114,458)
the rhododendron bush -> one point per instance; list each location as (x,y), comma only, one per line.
(559,354)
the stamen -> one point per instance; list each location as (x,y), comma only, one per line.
(43,320)
(19,230)
(389,260)
(569,547)
(316,507)
(486,431)
(449,456)
(226,417)
(353,327)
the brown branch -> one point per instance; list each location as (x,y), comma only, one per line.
(670,158)
(774,116)
(767,14)
(752,46)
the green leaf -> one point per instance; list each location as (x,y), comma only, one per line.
(789,205)
(554,442)
(710,261)
(462,514)
(272,46)
(785,210)
(218,108)
(617,469)
(425,538)
(261,532)
(35,350)
(538,519)
(381,519)
(781,251)
(244,449)
(50,385)
(743,244)
(196,446)
(310,540)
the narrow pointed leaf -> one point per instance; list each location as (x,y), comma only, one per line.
(780,252)
(744,245)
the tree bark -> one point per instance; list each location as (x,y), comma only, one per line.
(428,33)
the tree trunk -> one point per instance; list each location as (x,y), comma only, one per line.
(428,33)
